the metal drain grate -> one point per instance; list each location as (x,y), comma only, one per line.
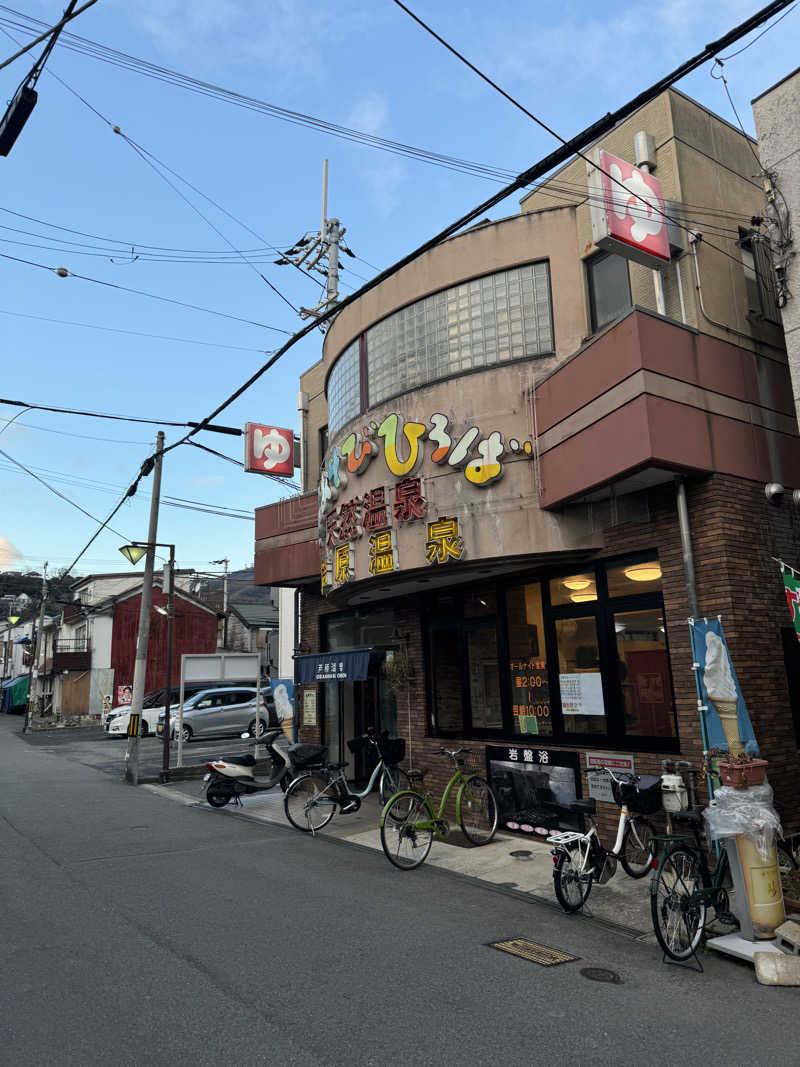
(531,950)
(601,974)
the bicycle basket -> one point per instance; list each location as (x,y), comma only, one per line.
(393,750)
(308,755)
(471,762)
(357,744)
(642,797)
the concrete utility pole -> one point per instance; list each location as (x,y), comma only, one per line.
(140,668)
(224,563)
(310,251)
(36,641)
(169,573)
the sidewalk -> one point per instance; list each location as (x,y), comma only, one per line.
(623,903)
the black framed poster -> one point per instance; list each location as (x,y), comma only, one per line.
(534,787)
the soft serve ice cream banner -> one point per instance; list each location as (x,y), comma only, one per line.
(728,724)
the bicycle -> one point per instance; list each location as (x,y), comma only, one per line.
(311,801)
(581,858)
(409,822)
(683,885)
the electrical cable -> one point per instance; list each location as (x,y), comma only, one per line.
(62,272)
(538,170)
(237,463)
(581,154)
(131,333)
(760,35)
(91,414)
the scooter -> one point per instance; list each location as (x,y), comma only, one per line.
(231,776)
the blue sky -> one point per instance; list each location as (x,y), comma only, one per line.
(356,63)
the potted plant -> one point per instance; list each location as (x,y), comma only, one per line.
(790,881)
(742,770)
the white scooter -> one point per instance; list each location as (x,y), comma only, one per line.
(230,777)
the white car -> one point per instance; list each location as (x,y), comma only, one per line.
(118,727)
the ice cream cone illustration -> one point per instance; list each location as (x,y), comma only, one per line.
(730,724)
(721,690)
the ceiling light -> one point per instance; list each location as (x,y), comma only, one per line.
(582,598)
(644,572)
(576,583)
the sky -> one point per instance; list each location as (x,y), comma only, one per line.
(363,64)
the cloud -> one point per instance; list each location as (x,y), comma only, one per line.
(384,184)
(9,554)
(370,113)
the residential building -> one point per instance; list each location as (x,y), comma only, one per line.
(532,454)
(254,628)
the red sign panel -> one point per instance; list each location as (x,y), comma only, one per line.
(268,450)
(632,212)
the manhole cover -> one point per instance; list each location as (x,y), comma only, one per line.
(521,854)
(601,974)
(531,950)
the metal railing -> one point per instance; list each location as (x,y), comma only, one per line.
(76,644)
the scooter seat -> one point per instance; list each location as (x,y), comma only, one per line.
(247,760)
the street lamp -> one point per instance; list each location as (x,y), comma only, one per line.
(134,552)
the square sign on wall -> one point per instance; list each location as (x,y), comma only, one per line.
(628,212)
(268,450)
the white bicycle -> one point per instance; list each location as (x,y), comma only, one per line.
(581,858)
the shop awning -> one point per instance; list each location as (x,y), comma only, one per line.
(345,665)
(15,692)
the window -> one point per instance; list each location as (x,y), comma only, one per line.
(344,387)
(494,319)
(759,276)
(609,288)
(323,443)
(578,658)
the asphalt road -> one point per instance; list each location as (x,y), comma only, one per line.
(139,930)
(95,748)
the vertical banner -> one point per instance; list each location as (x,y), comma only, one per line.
(727,721)
(791,585)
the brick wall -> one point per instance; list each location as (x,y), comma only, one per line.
(735,531)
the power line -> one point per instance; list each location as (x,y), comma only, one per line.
(760,35)
(131,333)
(62,272)
(774,7)
(91,414)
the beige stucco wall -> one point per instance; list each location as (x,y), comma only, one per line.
(499,522)
(485,249)
(312,383)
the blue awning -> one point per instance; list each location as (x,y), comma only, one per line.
(345,665)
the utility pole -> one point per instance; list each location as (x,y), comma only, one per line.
(310,252)
(170,623)
(140,668)
(224,563)
(36,641)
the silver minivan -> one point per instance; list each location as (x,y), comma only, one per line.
(219,713)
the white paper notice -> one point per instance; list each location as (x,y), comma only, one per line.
(582,694)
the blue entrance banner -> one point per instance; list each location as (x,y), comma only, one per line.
(726,716)
(349,665)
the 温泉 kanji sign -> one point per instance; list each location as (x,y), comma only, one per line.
(268,450)
(628,213)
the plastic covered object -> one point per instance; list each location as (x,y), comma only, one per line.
(744,811)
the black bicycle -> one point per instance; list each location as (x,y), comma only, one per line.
(684,885)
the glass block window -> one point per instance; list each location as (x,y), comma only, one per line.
(344,388)
(481,323)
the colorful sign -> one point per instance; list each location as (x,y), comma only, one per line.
(724,712)
(124,694)
(791,585)
(268,450)
(628,211)
(530,695)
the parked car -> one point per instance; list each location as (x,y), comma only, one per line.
(153,707)
(222,713)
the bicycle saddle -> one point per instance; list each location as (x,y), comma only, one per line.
(337,766)
(587,807)
(695,818)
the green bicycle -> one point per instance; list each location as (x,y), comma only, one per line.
(409,822)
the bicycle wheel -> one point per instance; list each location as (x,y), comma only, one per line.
(477,810)
(572,889)
(678,916)
(393,779)
(638,848)
(300,803)
(405,840)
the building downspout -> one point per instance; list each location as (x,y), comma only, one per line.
(687,551)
